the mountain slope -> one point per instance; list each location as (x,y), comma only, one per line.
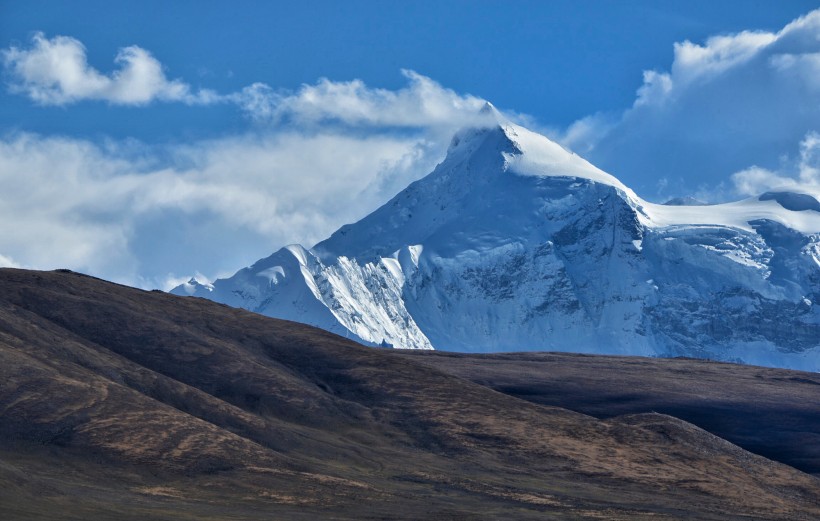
(771,412)
(120,403)
(513,243)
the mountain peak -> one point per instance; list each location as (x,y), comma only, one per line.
(514,242)
(525,152)
(489,108)
(540,156)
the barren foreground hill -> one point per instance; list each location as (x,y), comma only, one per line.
(120,403)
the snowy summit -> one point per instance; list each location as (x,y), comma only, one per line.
(513,243)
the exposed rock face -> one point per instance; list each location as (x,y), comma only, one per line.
(513,243)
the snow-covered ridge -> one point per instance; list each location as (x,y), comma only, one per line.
(738,214)
(539,156)
(514,243)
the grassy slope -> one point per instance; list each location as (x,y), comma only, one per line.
(771,412)
(116,402)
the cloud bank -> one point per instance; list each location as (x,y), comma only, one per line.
(120,212)
(803,174)
(743,109)
(55,71)
(422,103)
(746,102)
(150,216)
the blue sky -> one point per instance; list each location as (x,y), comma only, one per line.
(558,61)
(145,141)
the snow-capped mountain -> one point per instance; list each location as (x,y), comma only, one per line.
(513,243)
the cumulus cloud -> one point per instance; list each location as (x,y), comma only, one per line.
(152,215)
(56,72)
(212,206)
(802,174)
(6,262)
(725,105)
(423,102)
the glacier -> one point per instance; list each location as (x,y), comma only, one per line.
(513,243)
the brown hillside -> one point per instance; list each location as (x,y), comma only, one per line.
(120,403)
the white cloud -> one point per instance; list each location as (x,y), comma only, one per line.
(150,216)
(584,134)
(56,72)
(259,101)
(422,103)
(755,180)
(732,102)
(720,53)
(802,174)
(214,206)
(139,214)
(6,262)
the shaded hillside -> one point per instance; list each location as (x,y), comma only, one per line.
(116,402)
(771,412)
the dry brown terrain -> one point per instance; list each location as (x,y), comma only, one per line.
(771,412)
(117,403)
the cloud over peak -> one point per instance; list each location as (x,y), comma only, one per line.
(133,213)
(746,104)
(422,103)
(55,71)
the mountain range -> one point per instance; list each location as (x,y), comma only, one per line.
(513,243)
(118,403)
